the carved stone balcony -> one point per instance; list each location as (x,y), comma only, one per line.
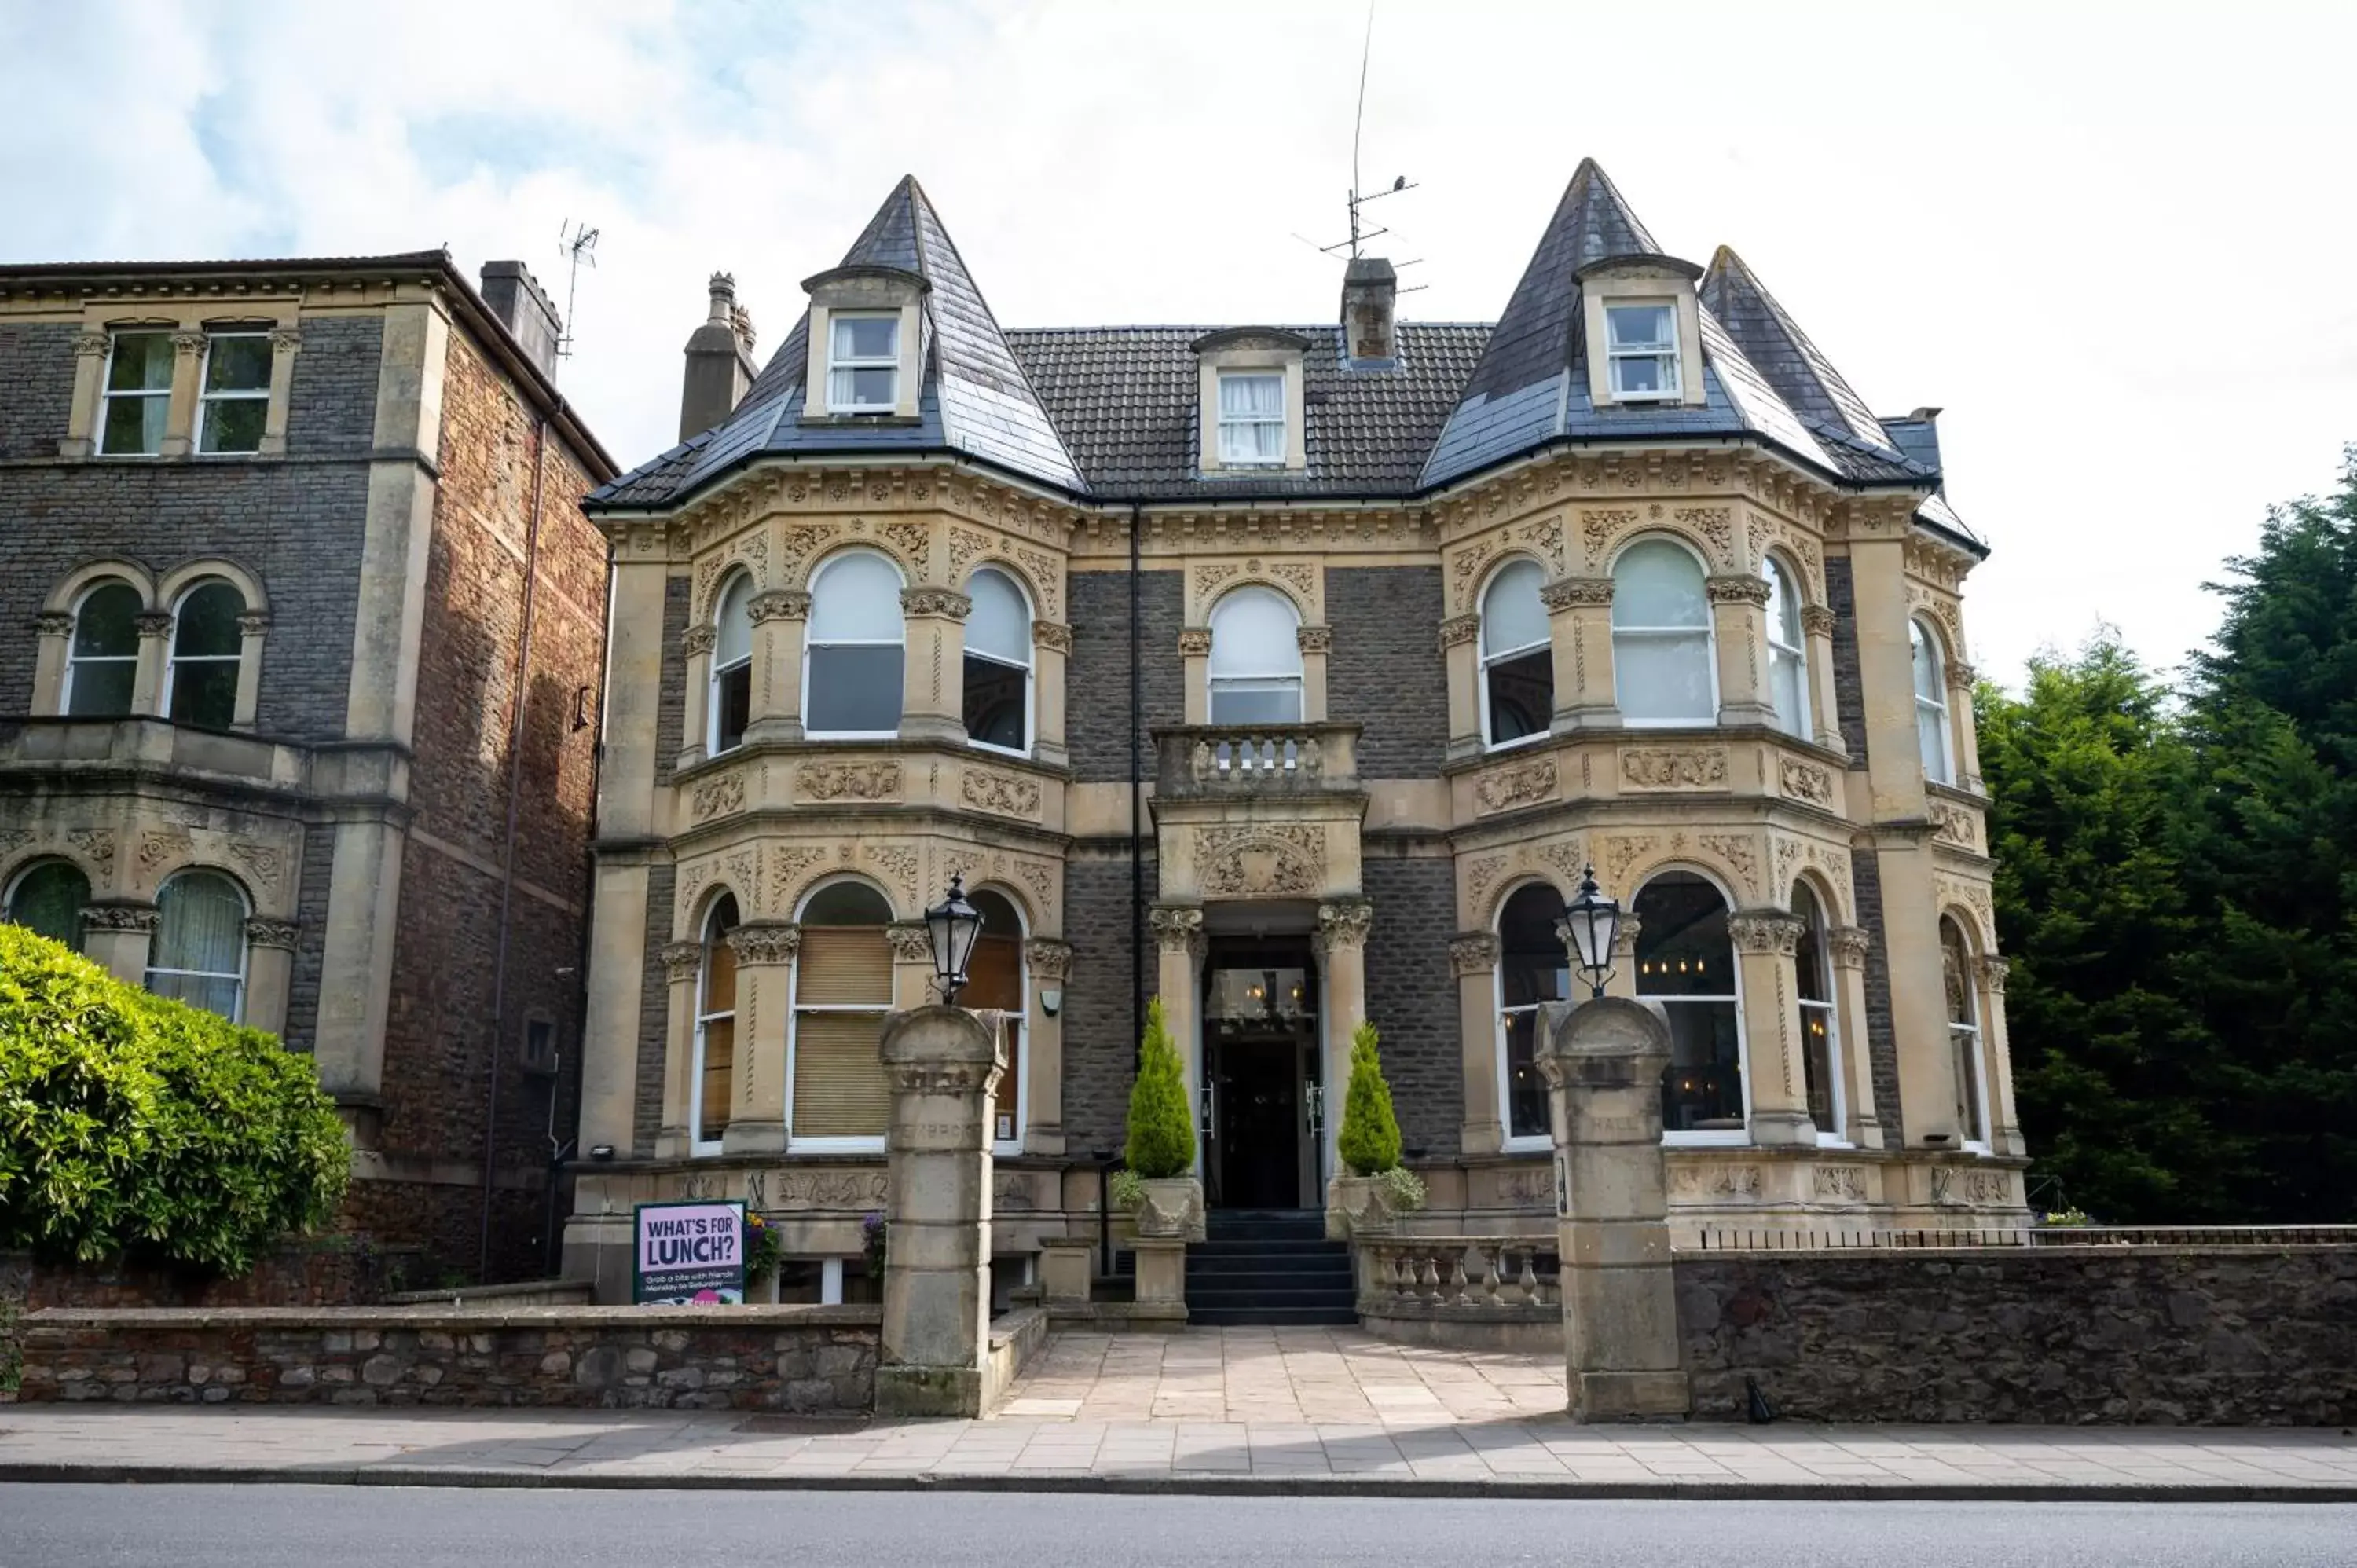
(67,748)
(1220,761)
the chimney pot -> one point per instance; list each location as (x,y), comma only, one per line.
(720,367)
(515,296)
(1369,298)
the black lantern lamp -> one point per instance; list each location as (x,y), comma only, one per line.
(1592,922)
(954,925)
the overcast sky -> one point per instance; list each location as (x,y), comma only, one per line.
(2106,239)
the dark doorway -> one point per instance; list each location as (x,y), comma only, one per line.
(1260,1046)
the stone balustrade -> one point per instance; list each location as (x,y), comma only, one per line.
(1473,1292)
(1195,761)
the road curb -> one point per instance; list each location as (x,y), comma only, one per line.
(1204,1485)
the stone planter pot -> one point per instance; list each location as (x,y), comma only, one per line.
(1357,1206)
(1173,1206)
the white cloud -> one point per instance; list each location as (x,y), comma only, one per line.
(2088,233)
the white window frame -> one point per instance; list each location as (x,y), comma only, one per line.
(244,948)
(1298,675)
(1229,456)
(697,1144)
(207,398)
(712,747)
(1666,355)
(1484,660)
(1515,1142)
(1941,770)
(1829,1011)
(1966,1039)
(832,1143)
(1782,593)
(107,394)
(810,645)
(1030,668)
(75,660)
(1709,630)
(837,361)
(1715,1138)
(174,659)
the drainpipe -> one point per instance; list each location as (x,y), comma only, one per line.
(1136,827)
(508,848)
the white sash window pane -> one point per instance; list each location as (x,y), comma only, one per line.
(138,394)
(198,951)
(1251,417)
(1930,705)
(854,659)
(863,362)
(1255,661)
(1663,677)
(236,392)
(1685,959)
(103,660)
(1641,347)
(1513,618)
(1656,584)
(1000,624)
(207,648)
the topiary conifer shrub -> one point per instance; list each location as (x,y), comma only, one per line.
(1161,1129)
(1369,1140)
(139,1128)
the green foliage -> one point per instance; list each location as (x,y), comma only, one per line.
(1161,1125)
(12,1353)
(1370,1140)
(134,1126)
(1402,1189)
(1126,1191)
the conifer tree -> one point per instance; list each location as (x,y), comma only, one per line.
(1370,1139)
(1161,1133)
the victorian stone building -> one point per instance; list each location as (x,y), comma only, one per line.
(1292,674)
(300,639)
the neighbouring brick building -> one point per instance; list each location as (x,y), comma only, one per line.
(1292,674)
(300,643)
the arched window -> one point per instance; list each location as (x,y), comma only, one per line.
(48,900)
(1819,1036)
(207,647)
(998,664)
(103,660)
(199,952)
(994,977)
(1663,670)
(843,989)
(1685,960)
(1788,659)
(731,705)
(1534,966)
(851,666)
(1256,664)
(1930,702)
(716,1030)
(1517,662)
(1964,1036)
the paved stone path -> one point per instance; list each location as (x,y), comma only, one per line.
(1208,1410)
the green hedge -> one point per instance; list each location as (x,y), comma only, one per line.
(136,1127)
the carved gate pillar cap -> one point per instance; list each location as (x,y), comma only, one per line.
(1581,1036)
(937,1035)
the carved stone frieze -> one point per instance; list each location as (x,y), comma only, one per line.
(119,916)
(1517,784)
(1839,1183)
(1805,782)
(1010,794)
(1709,1181)
(863,1190)
(1954,824)
(1261,860)
(848,780)
(714,796)
(1675,767)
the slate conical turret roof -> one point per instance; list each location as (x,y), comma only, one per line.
(1774,342)
(973,397)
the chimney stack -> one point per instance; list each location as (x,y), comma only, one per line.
(516,298)
(720,367)
(1370,294)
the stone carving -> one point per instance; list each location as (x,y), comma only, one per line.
(801,542)
(1961,675)
(253,623)
(1466,568)
(90,344)
(1299,575)
(765,942)
(862,1190)
(1044,578)
(1527,1188)
(945,602)
(1194,642)
(847,781)
(779,604)
(1039,879)
(1675,767)
(914,540)
(1737,589)
(1805,782)
(1568,593)
(1816,620)
(713,795)
(97,845)
(1839,1183)
(1315,639)
(1546,533)
(14,839)
(1010,793)
(263,862)
(1459,629)
(1717,524)
(1210,575)
(1715,1181)
(119,916)
(901,862)
(1849,945)
(1178,928)
(1955,825)
(264,933)
(1481,874)
(1993,971)
(1987,1187)
(157,850)
(1739,853)
(1598,528)
(682,960)
(1052,635)
(1767,933)
(911,943)
(966,545)
(53,623)
(787,866)
(1621,856)
(1261,860)
(1010,1193)
(1519,784)
(1344,923)
(1049,958)
(697,641)
(1473,952)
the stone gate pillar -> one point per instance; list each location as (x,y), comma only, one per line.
(942,1063)
(1602,1061)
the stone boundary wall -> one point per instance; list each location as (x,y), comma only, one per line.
(338,1273)
(805,1359)
(2197,1336)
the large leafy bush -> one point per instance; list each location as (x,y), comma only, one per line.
(1161,1131)
(1369,1140)
(136,1127)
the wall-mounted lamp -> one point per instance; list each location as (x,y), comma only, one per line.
(601,1151)
(1051,1000)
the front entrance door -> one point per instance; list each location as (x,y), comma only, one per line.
(1260,1063)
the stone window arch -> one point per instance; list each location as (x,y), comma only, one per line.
(1933,735)
(1254,670)
(837,1095)
(1664,657)
(1685,960)
(712,1071)
(1534,967)
(1517,685)
(853,652)
(198,950)
(999,663)
(204,670)
(101,666)
(47,897)
(1788,644)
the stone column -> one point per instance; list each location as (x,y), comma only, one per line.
(1195,655)
(1314,642)
(117,936)
(942,1063)
(1341,945)
(1765,942)
(1603,1061)
(1579,621)
(82,433)
(1461,650)
(779,617)
(757,1099)
(2004,1123)
(285,342)
(180,415)
(269,972)
(155,652)
(1051,647)
(1965,732)
(1739,613)
(1474,956)
(1825,701)
(1848,945)
(696,712)
(933,673)
(913,979)
(683,969)
(252,630)
(54,632)
(1623,982)
(1050,963)
(1178,946)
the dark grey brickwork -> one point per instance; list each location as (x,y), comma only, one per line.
(1412,994)
(1882,1040)
(1099,1050)
(1096,679)
(670,706)
(1849,692)
(36,377)
(1385,670)
(331,403)
(654,1011)
(311,938)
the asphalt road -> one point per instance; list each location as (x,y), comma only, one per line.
(363,1526)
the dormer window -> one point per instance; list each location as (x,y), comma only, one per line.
(1641,343)
(1251,418)
(863,367)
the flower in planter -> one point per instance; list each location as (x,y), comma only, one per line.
(872,1232)
(763,1246)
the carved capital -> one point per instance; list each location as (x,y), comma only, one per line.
(779,604)
(1848,945)
(1737,588)
(1565,593)
(1344,923)
(154,623)
(1194,642)
(253,623)
(1817,620)
(1459,629)
(1315,639)
(187,342)
(1473,952)
(766,942)
(1050,634)
(285,340)
(681,961)
(910,941)
(697,641)
(947,603)
(1178,928)
(53,623)
(263,933)
(1961,675)
(1624,939)
(120,916)
(90,345)
(1993,971)
(1766,931)
(1049,958)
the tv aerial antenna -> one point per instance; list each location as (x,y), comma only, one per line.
(577,242)
(1358,195)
